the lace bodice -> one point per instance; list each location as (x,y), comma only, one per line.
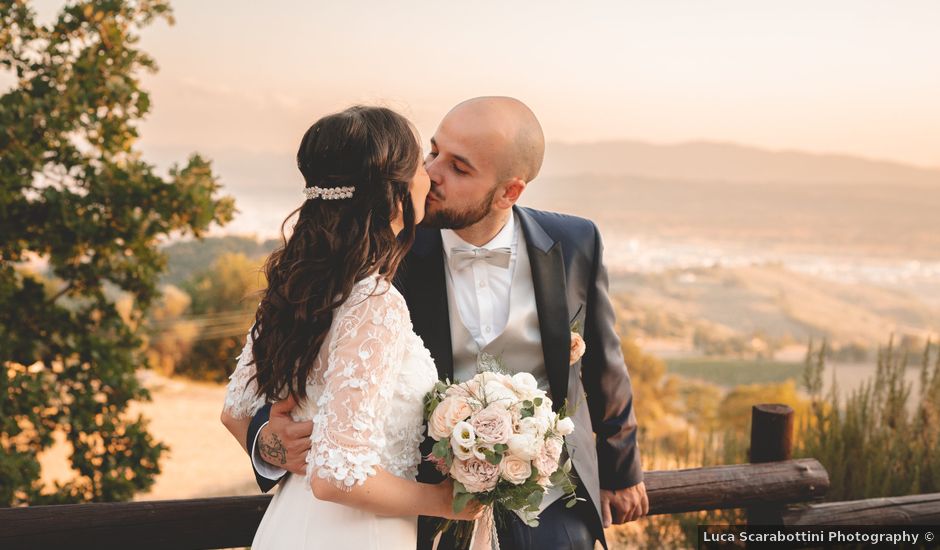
(365,393)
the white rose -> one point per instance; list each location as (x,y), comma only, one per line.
(535,425)
(482,378)
(514,469)
(565,426)
(525,445)
(497,392)
(525,385)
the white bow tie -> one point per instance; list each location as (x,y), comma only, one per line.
(462,257)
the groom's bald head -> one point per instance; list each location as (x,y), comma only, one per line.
(516,142)
(482,155)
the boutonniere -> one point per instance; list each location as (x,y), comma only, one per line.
(578,347)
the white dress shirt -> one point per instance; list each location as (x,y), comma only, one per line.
(482,289)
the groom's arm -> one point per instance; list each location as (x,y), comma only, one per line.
(607,384)
(277,443)
(265,475)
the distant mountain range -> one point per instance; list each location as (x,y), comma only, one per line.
(699,191)
(711,192)
(725,162)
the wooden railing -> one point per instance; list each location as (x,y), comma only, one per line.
(765,487)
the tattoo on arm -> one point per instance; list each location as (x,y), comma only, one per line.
(274,450)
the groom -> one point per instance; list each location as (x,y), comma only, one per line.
(487,276)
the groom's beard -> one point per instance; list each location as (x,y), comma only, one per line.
(450,218)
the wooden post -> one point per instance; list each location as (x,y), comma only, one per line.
(771,441)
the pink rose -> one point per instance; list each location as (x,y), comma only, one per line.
(578,347)
(492,425)
(446,415)
(478,476)
(546,462)
(515,470)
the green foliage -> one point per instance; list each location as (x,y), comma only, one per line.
(655,393)
(222,310)
(75,193)
(197,330)
(187,258)
(734,413)
(877,443)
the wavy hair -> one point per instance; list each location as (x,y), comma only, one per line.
(334,243)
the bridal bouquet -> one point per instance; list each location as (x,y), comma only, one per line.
(500,441)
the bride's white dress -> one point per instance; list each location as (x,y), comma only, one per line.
(365,398)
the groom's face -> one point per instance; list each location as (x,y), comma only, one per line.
(463,164)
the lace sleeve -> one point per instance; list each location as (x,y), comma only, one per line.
(364,353)
(241,396)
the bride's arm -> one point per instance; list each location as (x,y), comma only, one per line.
(238,427)
(241,398)
(364,354)
(385,494)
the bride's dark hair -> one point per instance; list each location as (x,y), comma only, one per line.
(334,243)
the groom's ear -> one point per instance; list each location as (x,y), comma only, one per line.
(512,190)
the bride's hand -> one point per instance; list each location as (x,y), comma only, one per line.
(473,509)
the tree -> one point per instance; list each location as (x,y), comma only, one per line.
(223,310)
(76,194)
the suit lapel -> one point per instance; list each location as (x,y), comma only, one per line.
(427,299)
(548,279)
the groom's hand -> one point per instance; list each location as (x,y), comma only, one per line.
(624,505)
(283,442)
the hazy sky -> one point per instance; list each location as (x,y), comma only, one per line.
(241,81)
(858,77)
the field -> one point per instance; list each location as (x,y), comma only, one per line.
(204,460)
(733,372)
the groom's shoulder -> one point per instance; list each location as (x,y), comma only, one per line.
(562,227)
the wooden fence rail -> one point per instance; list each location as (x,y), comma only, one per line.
(764,487)
(231,521)
(907,510)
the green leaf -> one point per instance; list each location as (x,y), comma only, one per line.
(534,500)
(442,448)
(461,500)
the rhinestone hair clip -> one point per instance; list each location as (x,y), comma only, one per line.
(329,193)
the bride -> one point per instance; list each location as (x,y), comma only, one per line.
(332,333)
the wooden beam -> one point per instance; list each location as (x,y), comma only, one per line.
(232,521)
(735,486)
(771,440)
(906,510)
(198,523)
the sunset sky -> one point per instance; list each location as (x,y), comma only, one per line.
(859,77)
(855,77)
